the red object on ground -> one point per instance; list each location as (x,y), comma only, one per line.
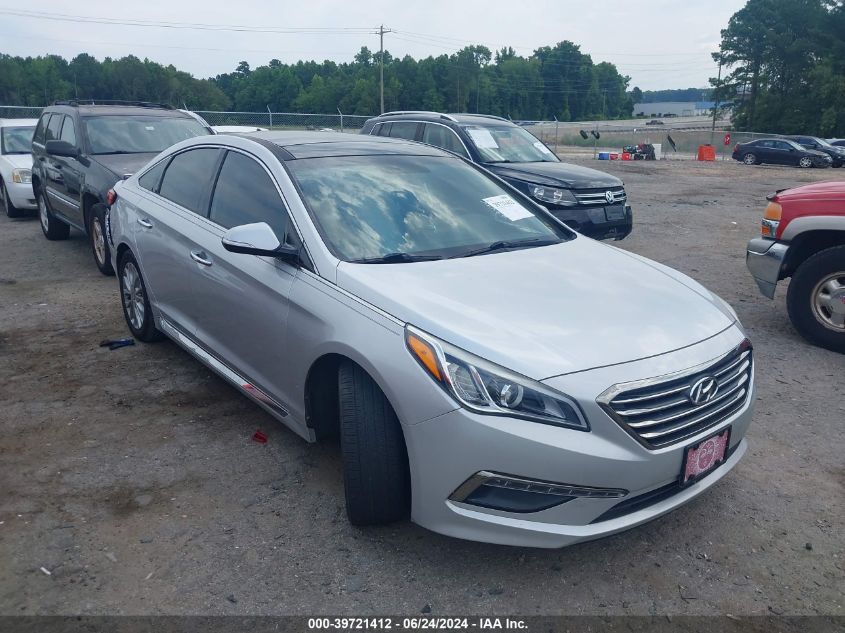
(614,156)
(259,437)
(626,155)
(706,152)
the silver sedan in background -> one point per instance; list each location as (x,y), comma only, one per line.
(489,372)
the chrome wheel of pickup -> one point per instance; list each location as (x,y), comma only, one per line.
(829,301)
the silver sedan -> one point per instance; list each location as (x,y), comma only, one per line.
(489,372)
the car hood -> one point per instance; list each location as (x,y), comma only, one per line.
(828,190)
(546,311)
(570,176)
(123,164)
(19,161)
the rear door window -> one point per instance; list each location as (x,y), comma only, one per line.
(234,204)
(188,178)
(54,127)
(403,129)
(152,178)
(41,128)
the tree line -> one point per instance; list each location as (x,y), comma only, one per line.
(554,82)
(785,63)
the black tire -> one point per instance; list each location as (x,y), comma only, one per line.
(749,158)
(11,210)
(98,241)
(53,228)
(817,323)
(143,328)
(375,461)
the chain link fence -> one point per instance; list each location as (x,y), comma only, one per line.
(562,137)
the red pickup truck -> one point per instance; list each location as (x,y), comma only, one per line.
(803,237)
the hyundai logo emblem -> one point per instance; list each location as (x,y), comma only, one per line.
(608,195)
(703,390)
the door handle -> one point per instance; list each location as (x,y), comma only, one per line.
(145,223)
(201,258)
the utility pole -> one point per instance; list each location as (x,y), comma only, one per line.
(381,32)
(716,100)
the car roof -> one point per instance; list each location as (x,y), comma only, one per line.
(111,110)
(18,122)
(322,144)
(440,117)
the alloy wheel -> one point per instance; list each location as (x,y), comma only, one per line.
(43,215)
(806,162)
(99,241)
(133,295)
(749,159)
(829,301)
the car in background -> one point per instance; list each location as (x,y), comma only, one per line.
(590,201)
(236,129)
(803,237)
(655,122)
(80,149)
(837,154)
(779,151)
(16,166)
(837,142)
(453,334)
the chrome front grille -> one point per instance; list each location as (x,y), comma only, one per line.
(599,196)
(661,412)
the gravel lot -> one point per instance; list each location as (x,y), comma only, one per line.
(131,478)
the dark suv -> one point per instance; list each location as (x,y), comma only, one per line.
(587,200)
(837,154)
(81,149)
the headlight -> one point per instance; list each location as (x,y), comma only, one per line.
(486,388)
(555,196)
(22,176)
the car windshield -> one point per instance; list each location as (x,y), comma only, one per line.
(402,208)
(508,144)
(138,134)
(824,143)
(17,139)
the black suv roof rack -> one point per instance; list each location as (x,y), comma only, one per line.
(428,112)
(483,116)
(75,103)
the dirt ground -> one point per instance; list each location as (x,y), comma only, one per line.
(129,483)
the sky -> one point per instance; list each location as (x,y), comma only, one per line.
(658,43)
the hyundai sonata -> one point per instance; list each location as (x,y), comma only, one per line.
(489,372)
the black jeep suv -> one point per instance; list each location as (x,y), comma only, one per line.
(81,149)
(587,200)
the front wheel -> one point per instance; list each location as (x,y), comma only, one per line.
(375,461)
(52,228)
(749,159)
(805,162)
(816,299)
(135,302)
(97,237)
(11,210)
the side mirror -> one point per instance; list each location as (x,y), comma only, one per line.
(61,148)
(259,239)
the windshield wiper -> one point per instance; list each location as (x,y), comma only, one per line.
(396,258)
(503,245)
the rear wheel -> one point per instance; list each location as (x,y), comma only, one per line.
(97,237)
(135,302)
(53,228)
(750,159)
(11,210)
(816,299)
(375,461)
(805,162)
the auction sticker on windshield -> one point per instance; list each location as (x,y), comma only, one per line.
(482,138)
(508,207)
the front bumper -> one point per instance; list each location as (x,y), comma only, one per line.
(598,222)
(449,450)
(764,258)
(21,195)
